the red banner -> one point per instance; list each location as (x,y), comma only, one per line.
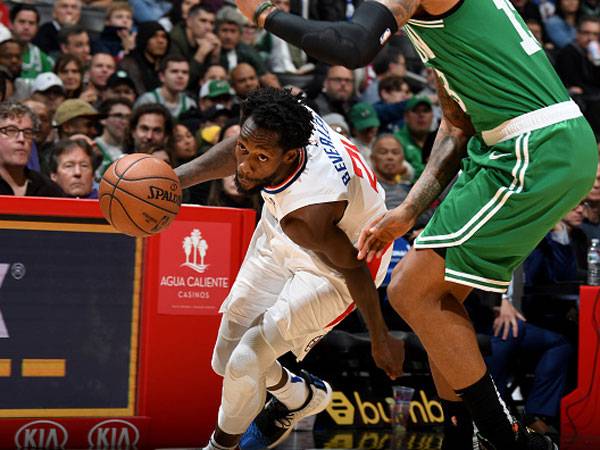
(171,395)
(194,266)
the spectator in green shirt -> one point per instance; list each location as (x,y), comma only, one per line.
(25,21)
(416,135)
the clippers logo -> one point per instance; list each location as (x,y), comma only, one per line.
(195,247)
(42,434)
(113,434)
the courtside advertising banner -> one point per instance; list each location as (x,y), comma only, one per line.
(68,321)
(194,269)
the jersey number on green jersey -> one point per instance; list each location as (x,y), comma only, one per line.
(528,42)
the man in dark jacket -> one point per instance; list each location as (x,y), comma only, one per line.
(151,45)
(18,125)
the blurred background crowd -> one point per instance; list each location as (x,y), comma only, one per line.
(103,78)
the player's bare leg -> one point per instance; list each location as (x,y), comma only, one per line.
(433,308)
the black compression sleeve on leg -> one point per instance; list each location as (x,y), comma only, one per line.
(352,44)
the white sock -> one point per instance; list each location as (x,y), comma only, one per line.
(212,445)
(294,393)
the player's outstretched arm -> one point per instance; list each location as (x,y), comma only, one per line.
(449,148)
(352,44)
(315,228)
(217,162)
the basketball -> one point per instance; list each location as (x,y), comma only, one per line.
(140,195)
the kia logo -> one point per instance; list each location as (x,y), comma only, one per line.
(43,434)
(113,434)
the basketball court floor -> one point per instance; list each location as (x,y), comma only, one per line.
(362,439)
(358,439)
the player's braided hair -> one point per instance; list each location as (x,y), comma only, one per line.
(278,110)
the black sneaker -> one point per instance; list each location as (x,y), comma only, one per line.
(526,439)
(275,422)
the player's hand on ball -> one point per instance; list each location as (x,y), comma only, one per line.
(389,355)
(376,236)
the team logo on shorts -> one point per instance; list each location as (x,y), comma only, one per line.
(195,248)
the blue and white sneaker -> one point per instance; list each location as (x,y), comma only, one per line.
(253,439)
(275,422)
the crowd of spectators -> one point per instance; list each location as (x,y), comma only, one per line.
(167,78)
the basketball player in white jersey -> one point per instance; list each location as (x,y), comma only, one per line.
(300,276)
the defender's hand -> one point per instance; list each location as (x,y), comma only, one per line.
(381,232)
(389,356)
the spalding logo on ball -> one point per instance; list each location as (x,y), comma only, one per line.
(140,195)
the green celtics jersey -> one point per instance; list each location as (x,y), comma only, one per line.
(488,61)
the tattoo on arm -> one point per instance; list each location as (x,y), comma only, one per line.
(443,165)
(402,9)
(218,162)
(448,149)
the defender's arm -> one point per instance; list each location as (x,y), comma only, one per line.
(449,148)
(352,44)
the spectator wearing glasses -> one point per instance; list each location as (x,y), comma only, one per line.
(338,92)
(117,112)
(18,126)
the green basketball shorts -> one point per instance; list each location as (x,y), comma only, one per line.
(517,182)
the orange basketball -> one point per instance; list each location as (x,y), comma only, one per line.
(140,195)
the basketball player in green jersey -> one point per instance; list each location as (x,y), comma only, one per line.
(526,156)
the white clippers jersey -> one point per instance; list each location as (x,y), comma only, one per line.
(331,169)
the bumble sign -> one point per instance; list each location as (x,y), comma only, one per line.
(351,409)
